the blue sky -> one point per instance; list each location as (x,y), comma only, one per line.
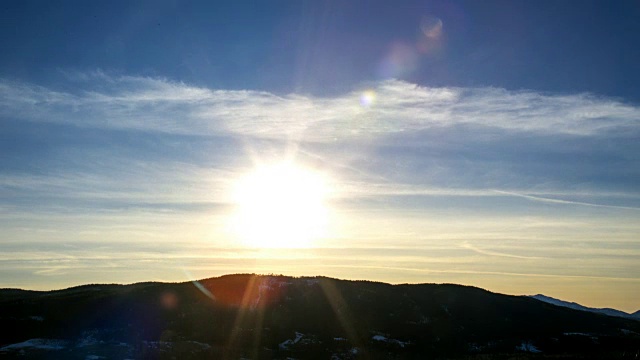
(327,47)
(487,143)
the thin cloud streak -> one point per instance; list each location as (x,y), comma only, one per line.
(567,202)
(466,245)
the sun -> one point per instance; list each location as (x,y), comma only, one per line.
(280,206)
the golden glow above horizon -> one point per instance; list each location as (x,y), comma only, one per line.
(280,206)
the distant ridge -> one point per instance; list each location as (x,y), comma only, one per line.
(576,306)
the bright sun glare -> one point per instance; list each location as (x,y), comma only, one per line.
(281,206)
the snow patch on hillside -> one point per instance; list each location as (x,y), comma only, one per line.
(390,341)
(44,344)
(285,344)
(527,346)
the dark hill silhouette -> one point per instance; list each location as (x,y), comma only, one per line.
(255,316)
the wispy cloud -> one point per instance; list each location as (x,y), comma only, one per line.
(153,104)
(417,139)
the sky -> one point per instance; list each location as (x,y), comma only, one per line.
(489,143)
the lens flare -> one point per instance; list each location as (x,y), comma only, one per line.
(430,41)
(367,98)
(431,27)
(401,60)
(404,57)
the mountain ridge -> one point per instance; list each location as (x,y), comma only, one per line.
(277,317)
